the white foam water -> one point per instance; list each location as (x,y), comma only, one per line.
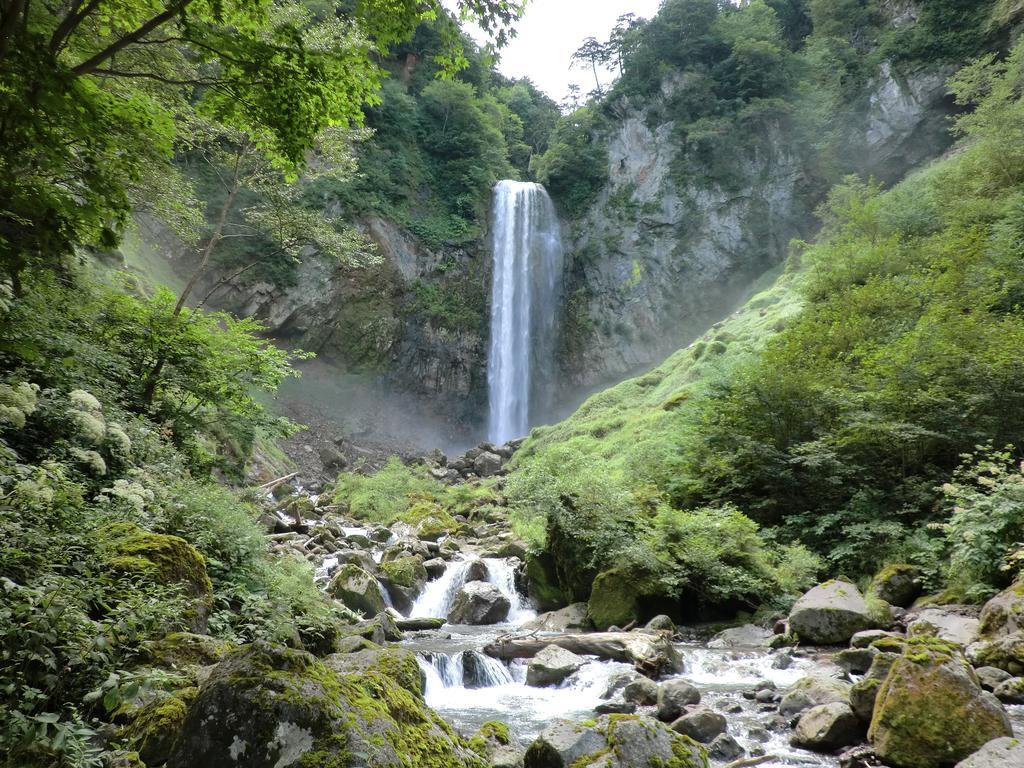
(525,292)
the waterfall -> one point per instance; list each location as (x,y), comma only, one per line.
(501,575)
(436,599)
(527,249)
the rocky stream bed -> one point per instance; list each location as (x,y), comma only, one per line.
(748,695)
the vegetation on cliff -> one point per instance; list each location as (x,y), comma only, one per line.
(833,407)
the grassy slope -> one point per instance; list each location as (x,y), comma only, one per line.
(621,424)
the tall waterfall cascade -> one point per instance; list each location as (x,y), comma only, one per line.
(525,290)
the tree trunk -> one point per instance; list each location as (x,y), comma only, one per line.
(153,378)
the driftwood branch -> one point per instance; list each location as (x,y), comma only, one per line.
(274,483)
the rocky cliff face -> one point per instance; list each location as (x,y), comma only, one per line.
(664,253)
(415,323)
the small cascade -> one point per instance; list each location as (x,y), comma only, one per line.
(384,595)
(437,597)
(481,671)
(502,575)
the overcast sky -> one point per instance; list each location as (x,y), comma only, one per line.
(552,29)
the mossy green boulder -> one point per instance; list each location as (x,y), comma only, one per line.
(614,741)
(542,582)
(156,726)
(357,589)
(931,712)
(614,600)
(167,560)
(272,707)
(898,584)
(1003,615)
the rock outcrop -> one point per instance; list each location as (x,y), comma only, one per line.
(621,741)
(930,711)
(268,707)
(479,602)
(830,614)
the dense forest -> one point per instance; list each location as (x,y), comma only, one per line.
(835,460)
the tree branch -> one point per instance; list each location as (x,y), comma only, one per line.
(70,23)
(151,76)
(90,64)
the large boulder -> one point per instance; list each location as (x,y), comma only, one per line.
(487,464)
(269,707)
(998,753)
(703,725)
(951,625)
(1003,615)
(830,614)
(542,582)
(551,666)
(1006,653)
(828,727)
(898,585)
(931,711)
(479,603)
(865,691)
(747,635)
(811,691)
(613,599)
(404,579)
(674,696)
(566,619)
(495,745)
(357,589)
(617,741)
(166,560)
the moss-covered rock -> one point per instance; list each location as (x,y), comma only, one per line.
(167,560)
(357,589)
(898,584)
(542,582)
(1006,653)
(179,650)
(404,572)
(157,725)
(614,600)
(1003,615)
(614,741)
(495,745)
(270,707)
(931,711)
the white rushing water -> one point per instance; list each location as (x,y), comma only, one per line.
(527,249)
(437,597)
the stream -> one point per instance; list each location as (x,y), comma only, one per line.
(468,688)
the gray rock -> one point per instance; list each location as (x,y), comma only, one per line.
(479,603)
(811,691)
(946,624)
(897,585)
(1011,691)
(868,636)
(487,464)
(748,635)
(662,623)
(856,661)
(551,666)
(642,691)
(1004,752)
(829,614)
(991,677)
(1003,615)
(499,748)
(827,727)
(476,571)
(615,707)
(435,567)
(572,617)
(702,725)
(562,743)
(674,696)
(724,748)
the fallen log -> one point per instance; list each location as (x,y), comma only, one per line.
(420,623)
(652,653)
